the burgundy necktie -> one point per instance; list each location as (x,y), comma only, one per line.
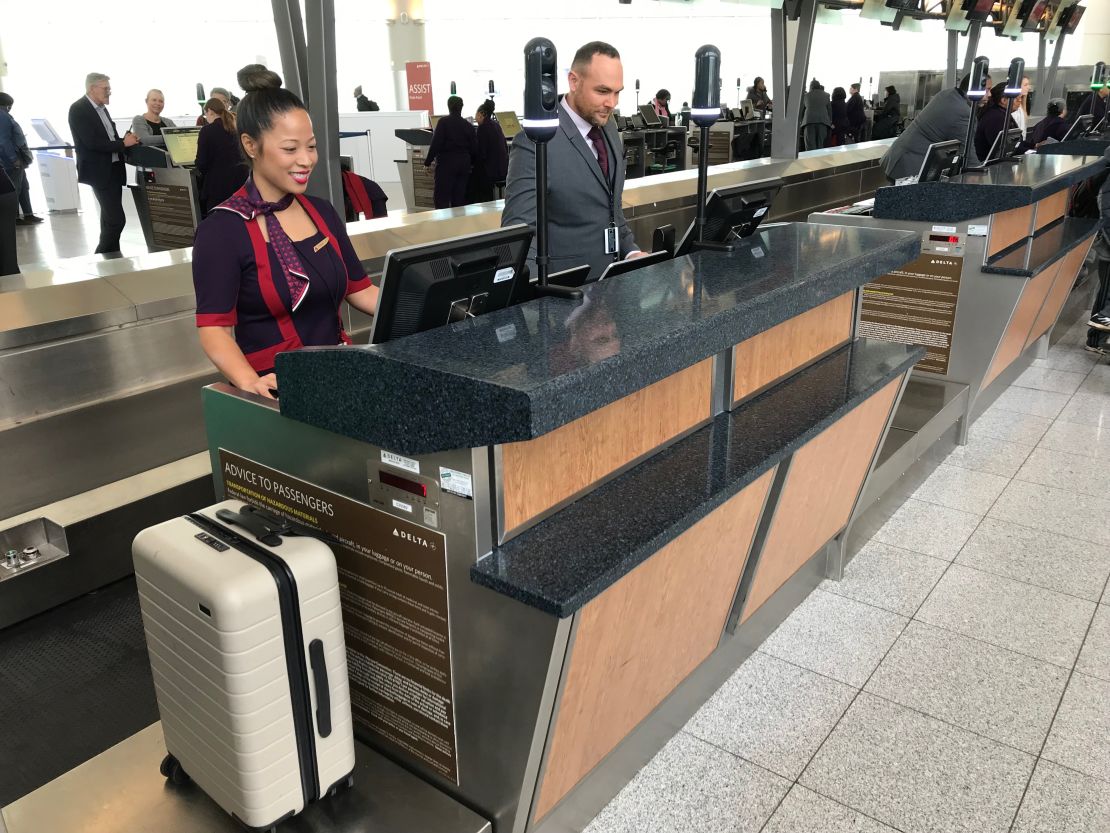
(601,148)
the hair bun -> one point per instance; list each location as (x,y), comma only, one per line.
(255,77)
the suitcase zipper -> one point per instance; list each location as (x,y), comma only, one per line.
(293,637)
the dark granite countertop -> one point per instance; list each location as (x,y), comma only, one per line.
(999,188)
(573,556)
(518,373)
(1033,255)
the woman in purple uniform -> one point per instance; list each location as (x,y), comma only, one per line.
(271,266)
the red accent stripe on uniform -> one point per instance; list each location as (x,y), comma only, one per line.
(218,319)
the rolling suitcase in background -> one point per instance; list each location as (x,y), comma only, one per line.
(245,634)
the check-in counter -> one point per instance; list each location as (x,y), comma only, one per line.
(100,410)
(562,525)
(999,257)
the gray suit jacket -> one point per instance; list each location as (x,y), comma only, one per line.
(944,118)
(818,108)
(577,197)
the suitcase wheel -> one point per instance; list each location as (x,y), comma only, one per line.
(342,786)
(171,769)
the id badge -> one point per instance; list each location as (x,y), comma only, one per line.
(611,247)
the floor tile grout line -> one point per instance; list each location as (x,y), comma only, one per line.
(967,566)
(1055,714)
(827,798)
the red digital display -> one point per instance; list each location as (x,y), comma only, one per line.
(404,484)
(944,238)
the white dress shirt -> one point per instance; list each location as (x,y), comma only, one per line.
(106,120)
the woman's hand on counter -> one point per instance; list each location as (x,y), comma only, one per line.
(365,300)
(262,386)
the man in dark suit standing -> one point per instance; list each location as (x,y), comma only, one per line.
(586,223)
(857,118)
(100,154)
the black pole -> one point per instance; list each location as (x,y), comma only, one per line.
(1005,128)
(970,133)
(541,213)
(703,182)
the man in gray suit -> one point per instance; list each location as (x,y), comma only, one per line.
(944,118)
(817,117)
(585,166)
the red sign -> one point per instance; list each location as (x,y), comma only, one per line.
(419,74)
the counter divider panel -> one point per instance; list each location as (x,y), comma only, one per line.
(1058,295)
(821,488)
(761,361)
(1008,227)
(636,642)
(1021,323)
(538,475)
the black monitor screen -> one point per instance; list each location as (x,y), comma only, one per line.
(1074,16)
(733,212)
(978,9)
(1080,126)
(1011,139)
(427,286)
(651,118)
(940,160)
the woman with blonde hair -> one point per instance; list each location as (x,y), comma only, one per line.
(148,126)
(218,159)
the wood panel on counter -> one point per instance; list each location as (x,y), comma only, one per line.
(773,355)
(637,641)
(1021,322)
(1058,295)
(1051,208)
(542,473)
(1008,227)
(820,491)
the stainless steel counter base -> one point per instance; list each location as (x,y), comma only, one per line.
(121,791)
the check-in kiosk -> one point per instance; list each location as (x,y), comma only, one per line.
(999,257)
(167,195)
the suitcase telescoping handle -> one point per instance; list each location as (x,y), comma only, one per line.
(267,528)
(323,690)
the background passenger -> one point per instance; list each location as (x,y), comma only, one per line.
(817,116)
(454,147)
(842,128)
(662,104)
(271,266)
(148,126)
(857,117)
(757,94)
(1053,126)
(492,163)
(890,113)
(944,118)
(219,160)
(990,123)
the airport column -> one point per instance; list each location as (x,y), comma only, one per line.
(406,43)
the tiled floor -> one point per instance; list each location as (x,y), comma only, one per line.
(957,679)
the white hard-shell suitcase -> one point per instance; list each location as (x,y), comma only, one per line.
(245,634)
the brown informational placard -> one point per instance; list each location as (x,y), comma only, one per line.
(393,584)
(916,305)
(171,215)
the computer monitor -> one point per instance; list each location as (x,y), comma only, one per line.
(941,159)
(623,267)
(636,120)
(651,118)
(430,285)
(433,121)
(1078,127)
(510,124)
(181,144)
(732,212)
(47,132)
(1012,139)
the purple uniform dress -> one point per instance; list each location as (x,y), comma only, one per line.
(228,293)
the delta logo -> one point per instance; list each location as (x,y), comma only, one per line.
(413,539)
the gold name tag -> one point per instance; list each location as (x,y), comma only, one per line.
(320,245)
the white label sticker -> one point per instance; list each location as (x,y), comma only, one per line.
(977,231)
(506,333)
(944,229)
(942,248)
(431,517)
(404,507)
(757,251)
(455,482)
(505,274)
(391,459)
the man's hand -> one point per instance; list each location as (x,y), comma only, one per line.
(130,139)
(634,255)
